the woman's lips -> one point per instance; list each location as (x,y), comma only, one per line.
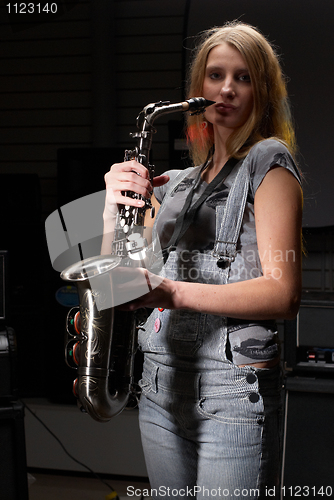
(225,107)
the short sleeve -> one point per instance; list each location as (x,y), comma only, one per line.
(160,191)
(264,156)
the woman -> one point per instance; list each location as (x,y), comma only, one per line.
(210,405)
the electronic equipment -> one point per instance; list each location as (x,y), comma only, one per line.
(308,459)
(309,339)
(8,364)
(8,352)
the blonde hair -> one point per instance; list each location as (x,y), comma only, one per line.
(270,116)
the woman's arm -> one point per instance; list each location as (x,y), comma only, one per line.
(276,294)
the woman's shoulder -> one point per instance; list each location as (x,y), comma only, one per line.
(267,154)
(269,148)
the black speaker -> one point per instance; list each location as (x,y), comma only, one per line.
(8,364)
(22,235)
(309,339)
(13,462)
(308,458)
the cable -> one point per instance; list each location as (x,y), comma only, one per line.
(112,495)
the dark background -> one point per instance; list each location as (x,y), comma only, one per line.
(71,86)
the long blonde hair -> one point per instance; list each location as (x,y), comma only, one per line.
(270,116)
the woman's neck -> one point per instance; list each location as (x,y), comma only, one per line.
(219,159)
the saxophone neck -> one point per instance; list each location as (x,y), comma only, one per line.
(146,118)
(148,115)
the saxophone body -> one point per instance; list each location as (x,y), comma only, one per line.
(101,340)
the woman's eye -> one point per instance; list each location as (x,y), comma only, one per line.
(214,76)
(244,78)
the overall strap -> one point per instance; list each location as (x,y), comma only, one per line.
(188,212)
(229,217)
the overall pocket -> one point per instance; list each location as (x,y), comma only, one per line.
(181,332)
(173,332)
(231,396)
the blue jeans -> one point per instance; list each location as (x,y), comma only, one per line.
(210,434)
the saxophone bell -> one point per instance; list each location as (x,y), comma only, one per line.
(89,336)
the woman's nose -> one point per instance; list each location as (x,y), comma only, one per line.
(227,88)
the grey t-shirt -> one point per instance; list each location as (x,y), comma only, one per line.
(201,234)
(249,341)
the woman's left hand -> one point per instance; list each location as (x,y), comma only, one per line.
(162,291)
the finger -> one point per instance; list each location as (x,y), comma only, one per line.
(139,187)
(130,202)
(116,198)
(160,180)
(119,192)
(128,181)
(131,166)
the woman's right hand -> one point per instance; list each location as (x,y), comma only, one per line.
(128,176)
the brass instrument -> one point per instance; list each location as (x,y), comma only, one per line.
(101,341)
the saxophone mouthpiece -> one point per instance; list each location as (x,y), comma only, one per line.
(197,105)
(209,103)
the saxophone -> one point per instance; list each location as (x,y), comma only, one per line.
(101,340)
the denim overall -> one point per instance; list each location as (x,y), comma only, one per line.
(209,428)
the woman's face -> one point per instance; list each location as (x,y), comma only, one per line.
(227,82)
